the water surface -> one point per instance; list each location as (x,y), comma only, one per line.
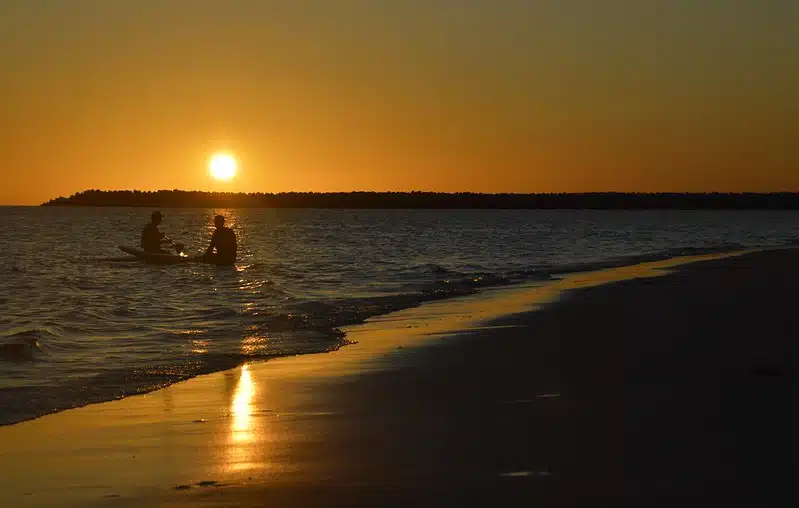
(77,327)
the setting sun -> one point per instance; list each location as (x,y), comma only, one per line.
(222,166)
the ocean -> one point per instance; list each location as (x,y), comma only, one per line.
(78,325)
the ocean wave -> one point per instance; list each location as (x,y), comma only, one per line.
(23,346)
(440,270)
(432,269)
(529,275)
(21,403)
(221,313)
(472,281)
(698,251)
(635,259)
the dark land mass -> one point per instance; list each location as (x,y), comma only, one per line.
(433,200)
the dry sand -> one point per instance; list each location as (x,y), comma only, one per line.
(645,392)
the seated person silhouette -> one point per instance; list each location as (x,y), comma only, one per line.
(151,237)
(224,241)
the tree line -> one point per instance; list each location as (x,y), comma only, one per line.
(432,200)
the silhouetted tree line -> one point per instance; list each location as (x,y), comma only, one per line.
(417,199)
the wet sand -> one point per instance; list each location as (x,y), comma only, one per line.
(650,391)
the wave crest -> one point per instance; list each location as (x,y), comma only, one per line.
(23,346)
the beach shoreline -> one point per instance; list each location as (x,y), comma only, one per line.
(386,422)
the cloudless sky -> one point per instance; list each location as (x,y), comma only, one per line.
(448,95)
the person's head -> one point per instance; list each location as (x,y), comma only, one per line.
(219,221)
(156,217)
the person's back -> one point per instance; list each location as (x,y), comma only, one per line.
(224,241)
(226,247)
(151,236)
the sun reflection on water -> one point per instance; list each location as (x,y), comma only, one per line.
(253,345)
(199,346)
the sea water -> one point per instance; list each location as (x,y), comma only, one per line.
(78,326)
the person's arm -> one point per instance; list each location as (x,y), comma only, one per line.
(211,247)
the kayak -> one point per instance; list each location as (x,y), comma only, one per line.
(160,258)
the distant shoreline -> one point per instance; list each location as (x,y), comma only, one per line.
(433,200)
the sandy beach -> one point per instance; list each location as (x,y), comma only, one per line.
(655,385)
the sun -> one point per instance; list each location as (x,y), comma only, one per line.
(222,166)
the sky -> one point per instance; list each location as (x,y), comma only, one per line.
(441,95)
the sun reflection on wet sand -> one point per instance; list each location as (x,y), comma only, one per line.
(242,427)
(241,408)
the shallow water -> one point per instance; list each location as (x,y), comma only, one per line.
(77,327)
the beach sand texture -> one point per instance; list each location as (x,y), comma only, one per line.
(613,388)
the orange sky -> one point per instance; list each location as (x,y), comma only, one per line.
(513,95)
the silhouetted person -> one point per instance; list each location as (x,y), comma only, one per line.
(151,237)
(224,241)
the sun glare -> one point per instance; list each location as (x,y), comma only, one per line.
(222,166)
